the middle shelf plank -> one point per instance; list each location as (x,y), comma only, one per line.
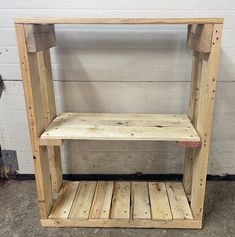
(152,127)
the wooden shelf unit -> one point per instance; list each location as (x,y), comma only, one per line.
(118,203)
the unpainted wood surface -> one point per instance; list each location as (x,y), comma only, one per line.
(34,108)
(118,20)
(121,127)
(49,110)
(200,37)
(178,201)
(64,201)
(121,200)
(141,202)
(39,37)
(207,88)
(102,200)
(83,200)
(160,207)
(138,223)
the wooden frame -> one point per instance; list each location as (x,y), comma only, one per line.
(118,204)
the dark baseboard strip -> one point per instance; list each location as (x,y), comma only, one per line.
(139,177)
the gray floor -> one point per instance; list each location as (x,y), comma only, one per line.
(19,215)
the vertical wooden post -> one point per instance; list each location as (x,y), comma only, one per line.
(206,81)
(193,109)
(48,98)
(34,106)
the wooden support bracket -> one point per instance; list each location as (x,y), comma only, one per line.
(200,37)
(39,37)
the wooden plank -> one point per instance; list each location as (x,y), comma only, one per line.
(49,110)
(34,107)
(159,202)
(121,127)
(141,205)
(200,37)
(139,223)
(83,200)
(102,201)
(64,201)
(178,201)
(121,201)
(207,87)
(193,111)
(47,87)
(39,37)
(45,20)
(55,167)
(54,142)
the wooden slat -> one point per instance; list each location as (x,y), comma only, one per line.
(119,20)
(122,127)
(160,207)
(141,205)
(64,200)
(83,200)
(138,223)
(178,201)
(102,201)
(121,201)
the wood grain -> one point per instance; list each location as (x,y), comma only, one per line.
(119,20)
(121,127)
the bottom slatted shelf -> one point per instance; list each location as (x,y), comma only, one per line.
(121,204)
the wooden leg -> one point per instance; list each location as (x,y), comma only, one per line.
(47,91)
(193,110)
(203,122)
(34,106)
(55,168)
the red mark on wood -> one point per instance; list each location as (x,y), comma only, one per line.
(187,144)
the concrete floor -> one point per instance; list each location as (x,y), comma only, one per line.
(19,215)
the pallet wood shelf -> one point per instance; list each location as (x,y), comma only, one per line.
(150,127)
(118,203)
(122,203)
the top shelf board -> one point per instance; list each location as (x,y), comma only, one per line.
(117,21)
